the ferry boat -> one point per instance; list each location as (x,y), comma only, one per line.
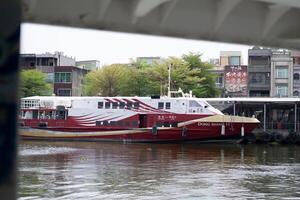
(128,119)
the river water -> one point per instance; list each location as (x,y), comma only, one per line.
(95,170)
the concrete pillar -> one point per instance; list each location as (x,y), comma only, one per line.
(295,117)
(265,116)
(10,19)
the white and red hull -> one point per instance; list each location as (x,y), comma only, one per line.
(179,120)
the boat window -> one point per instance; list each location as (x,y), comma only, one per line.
(49,115)
(134,123)
(113,123)
(193,103)
(168,105)
(98,123)
(136,105)
(158,124)
(120,123)
(28,115)
(60,114)
(174,124)
(105,123)
(35,114)
(122,105)
(160,105)
(100,105)
(107,105)
(115,105)
(42,115)
(166,124)
(129,105)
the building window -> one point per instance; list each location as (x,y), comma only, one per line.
(100,105)
(296,76)
(219,81)
(107,105)
(258,78)
(50,77)
(234,60)
(168,105)
(281,72)
(64,92)
(281,91)
(160,105)
(63,77)
(296,93)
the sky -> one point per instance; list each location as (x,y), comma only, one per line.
(114,47)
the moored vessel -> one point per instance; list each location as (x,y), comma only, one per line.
(128,119)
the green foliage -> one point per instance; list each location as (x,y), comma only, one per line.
(33,83)
(142,79)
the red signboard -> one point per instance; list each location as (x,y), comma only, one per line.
(236,80)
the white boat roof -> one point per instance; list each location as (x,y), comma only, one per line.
(255,99)
(100,97)
(228,99)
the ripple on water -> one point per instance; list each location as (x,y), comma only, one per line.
(38,150)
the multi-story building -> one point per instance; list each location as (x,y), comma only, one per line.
(60,70)
(46,62)
(88,64)
(259,71)
(281,74)
(296,75)
(230,58)
(68,80)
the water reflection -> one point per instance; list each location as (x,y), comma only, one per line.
(87,170)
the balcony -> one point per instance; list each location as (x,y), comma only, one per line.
(259,68)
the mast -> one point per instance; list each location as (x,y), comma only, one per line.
(169,80)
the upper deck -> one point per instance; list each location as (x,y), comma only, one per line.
(181,105)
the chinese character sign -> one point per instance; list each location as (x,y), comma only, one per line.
(236,80)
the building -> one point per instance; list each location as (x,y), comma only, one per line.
(61,71)
(259,72)
(296,75)
(281,73)
(149,60)
(235,81)
(88,64)
(46,62)
(230,58)
(68,80)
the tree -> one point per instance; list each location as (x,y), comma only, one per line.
(33,83)
(142,79)
(105,81)
(206,85)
